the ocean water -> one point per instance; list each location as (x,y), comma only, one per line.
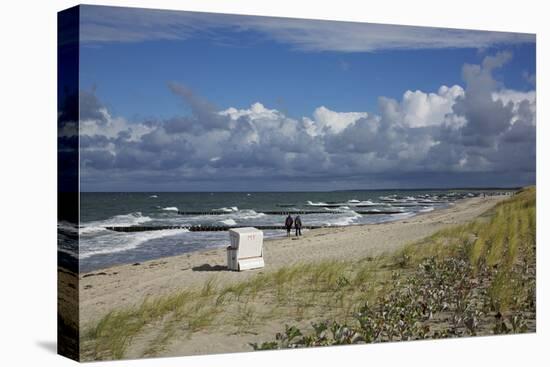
(100,247)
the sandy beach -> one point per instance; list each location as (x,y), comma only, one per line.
(126,285)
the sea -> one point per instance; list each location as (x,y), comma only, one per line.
(101,247)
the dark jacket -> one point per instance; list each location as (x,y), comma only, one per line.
(289,221)
(298,222)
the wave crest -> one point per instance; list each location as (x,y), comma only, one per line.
(171,208)
(125,242)
(124,220)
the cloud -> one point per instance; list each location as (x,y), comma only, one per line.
(486,117)
(326,119)
(419,109)
(201,109)
(91,108)
(497,129)
(111,24)
(479,134)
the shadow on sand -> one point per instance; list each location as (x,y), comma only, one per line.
(208,267)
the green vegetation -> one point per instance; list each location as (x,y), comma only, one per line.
(472,279)
(301,292)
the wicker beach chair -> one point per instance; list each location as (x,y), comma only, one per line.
(246,249)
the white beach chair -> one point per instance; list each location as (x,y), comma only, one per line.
(246,249)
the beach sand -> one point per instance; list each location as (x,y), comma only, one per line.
(127,285)
(122,286)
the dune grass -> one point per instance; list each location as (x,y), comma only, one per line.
(472,279)
(294,293)
(484,269)
(499,249)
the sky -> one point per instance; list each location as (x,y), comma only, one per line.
(183,101)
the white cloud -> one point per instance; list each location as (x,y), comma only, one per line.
(335,121)
(419,109)
(111,127)
(108,24)
(520,100)
(255,112)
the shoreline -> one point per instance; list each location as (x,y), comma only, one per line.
(273,239)
(279,238)
(118,286)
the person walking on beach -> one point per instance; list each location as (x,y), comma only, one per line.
(298,225)
(288,225)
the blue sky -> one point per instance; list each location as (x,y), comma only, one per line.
(161,81)
(132,77)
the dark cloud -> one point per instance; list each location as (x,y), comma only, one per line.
(204,112)
(91,108)
(486,118)
(498,134)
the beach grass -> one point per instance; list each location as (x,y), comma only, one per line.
(294,293)
(473,279)
(484,269)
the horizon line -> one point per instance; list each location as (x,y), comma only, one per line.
(304,191)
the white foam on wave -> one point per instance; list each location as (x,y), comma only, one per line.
(354,201)
(153,196)
(66,226)
(426,209)
(320,203)
(91,229)
(226,209)
(171,208)
(119,242)
(229,222)
(345,221)
(124,220)
(66,238)
(249,214)
(367,202)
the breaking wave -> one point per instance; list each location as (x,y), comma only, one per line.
(171,208)
(226,210)
(124,220)
(118,242)
(229,222)
(310,203)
